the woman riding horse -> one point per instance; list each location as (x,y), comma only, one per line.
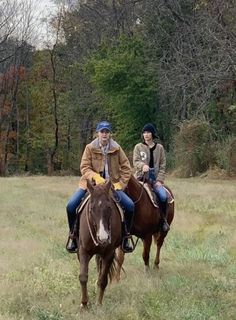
(103,159)
(149,158)
(100,233)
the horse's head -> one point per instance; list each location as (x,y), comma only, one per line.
(100,211)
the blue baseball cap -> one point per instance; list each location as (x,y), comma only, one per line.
(103,125)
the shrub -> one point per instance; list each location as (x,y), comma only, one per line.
(194,148)
(226,154)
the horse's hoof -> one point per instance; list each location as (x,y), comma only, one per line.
(83,306)
(147,270)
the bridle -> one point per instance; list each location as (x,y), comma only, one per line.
(141,193)
(144,178)
(90,217)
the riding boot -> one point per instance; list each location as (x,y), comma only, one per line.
(165,225)
(126,247)
(71,245)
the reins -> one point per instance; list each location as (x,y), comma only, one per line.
(90,230)
(96,243)
(142,187)
(141,193)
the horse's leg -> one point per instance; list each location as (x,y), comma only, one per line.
(84,259)
(98,262)
(103,276)
(120,257)
(159,239)
(147,241)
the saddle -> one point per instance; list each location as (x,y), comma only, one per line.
(85,200)
(150,193)
(81,207)
(154,199)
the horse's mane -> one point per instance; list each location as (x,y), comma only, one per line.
(134,180)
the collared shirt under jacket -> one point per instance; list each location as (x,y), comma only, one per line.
(93,161)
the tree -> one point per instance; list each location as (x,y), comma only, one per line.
(16,24)
(123,76)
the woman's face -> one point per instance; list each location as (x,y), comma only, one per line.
(104,136)
(147,136)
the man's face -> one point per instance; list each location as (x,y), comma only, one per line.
(104,136)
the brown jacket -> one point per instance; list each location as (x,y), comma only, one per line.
(92,162)
(141,156)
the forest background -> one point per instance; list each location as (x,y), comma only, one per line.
(172,63)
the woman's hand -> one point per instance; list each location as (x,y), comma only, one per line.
(158,184)
(145,168)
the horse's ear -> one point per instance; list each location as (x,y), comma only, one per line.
(90,186)
(108,186)
(112,187)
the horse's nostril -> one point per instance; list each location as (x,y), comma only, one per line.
(103,238)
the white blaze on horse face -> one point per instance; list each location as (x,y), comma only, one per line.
(102,233)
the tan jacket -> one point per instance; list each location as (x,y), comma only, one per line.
(141,156)
(93,162)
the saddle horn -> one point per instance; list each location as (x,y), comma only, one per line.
(90,186)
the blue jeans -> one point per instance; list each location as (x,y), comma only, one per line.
(72,205)
(160,190)
(128,207)
(161,193)
(124,200)
(77,197)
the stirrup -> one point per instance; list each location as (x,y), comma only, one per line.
(165,226)
(70,242)
(72,235)
(127,238)
(71,245)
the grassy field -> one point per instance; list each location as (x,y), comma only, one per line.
(39,279)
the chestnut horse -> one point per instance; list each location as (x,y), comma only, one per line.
(146,223)
(99,234)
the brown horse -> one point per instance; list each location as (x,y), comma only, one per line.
(147,222)
(99,234)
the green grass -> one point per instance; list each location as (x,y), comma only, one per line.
(39,280)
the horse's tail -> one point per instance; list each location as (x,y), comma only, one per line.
(114,268)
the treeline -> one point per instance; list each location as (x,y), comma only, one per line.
(172,63)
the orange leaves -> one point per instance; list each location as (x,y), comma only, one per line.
(8,79)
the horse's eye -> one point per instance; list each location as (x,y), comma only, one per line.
(93,207)
(108,209)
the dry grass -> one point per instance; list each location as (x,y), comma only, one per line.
(39,280)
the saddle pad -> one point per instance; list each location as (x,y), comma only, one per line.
(149,192)
(170,198)
(83,203)
(80,208)
(120,210)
